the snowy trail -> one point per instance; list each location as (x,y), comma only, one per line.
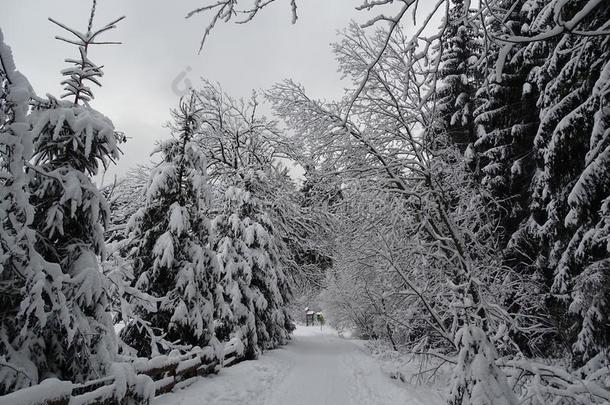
(315,368)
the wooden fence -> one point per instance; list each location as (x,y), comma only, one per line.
(129,383)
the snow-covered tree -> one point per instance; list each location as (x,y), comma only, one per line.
(126,195)
(71,140)
(570,187)
(172,261)
(16,214)
(238,317)
(233,135)
(306,228)
(506,119)
(30,288)
(460,49)
(256,287)
(241,148)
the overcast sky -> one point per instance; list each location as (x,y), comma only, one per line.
(160,49)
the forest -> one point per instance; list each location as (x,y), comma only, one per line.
(454,207)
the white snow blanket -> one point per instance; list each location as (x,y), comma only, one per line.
(317,367)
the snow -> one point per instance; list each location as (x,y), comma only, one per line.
(48,389)
(179,219)
(316,367)
(164,250)
(187,364)
(234,346)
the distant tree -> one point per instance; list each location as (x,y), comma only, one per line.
(306,229)
(125,196)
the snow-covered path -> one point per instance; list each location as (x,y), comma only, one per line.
(315,368)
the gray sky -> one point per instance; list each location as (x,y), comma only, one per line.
(159,45)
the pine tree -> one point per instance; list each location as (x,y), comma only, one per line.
(171,258)
(256,287)
(239,145)
(506,120)
(16,214)
(71,141)
(238,318)
(569,210)
(459,76)
(268,278)
(30,288)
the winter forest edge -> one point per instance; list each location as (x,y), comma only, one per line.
(455,207)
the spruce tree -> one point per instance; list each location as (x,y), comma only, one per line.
(30,288)
(237,320)
(268,278)
(172,261)
(15,217)
(459,76)
(570,191)
(256,287)
(71,141)
(506,119)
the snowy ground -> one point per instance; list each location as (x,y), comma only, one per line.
(315,368)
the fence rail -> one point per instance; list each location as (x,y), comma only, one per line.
(130,383)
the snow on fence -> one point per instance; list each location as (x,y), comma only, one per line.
(130,383)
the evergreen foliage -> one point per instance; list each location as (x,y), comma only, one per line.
(21,348)
(71,141)
(172,261)
(460,79)
(570,188)
(256,287)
